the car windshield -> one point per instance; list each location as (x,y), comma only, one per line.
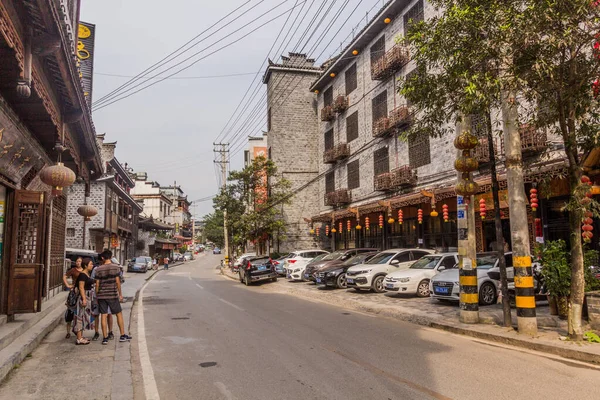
(486,261)
(333,256)
(140,260)
(381,258)
(359,259)
(427,262)
(259,261)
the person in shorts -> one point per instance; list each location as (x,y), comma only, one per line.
(108,289)
(166,262)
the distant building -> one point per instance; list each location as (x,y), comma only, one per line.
(180,215)
(155,203)
(257,147)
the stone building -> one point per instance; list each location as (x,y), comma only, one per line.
(44,118)
(115,225)
(375,180)
(292,141)
(156,204)
(180,216)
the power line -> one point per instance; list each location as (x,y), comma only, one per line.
(182,77)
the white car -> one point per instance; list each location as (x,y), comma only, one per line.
(415,280)
(295,265)
(370,275)
(238,260)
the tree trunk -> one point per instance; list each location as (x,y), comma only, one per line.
(519,230)
(507,319)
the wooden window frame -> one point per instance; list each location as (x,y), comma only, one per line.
(352,127)
(353,171)
(351,79)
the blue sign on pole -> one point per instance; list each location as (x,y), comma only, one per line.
(460,214)
(460,200)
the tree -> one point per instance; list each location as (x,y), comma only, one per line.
(213,227)
(544,52)
(251,197)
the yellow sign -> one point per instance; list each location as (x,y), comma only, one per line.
(83,32)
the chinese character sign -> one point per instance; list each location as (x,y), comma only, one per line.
(85,57)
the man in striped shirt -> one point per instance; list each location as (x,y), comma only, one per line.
(108,291)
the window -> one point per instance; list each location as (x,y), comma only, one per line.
(351,82)
(378,49)
(352,127)
(419,153)
(414,15)
(328,97)
(381,161)
(403,257)
(70,232)
(380,106)
(353,175)
(418,254)
(478,125)
(269,120)
(329,139)
(449,262)
(330,182)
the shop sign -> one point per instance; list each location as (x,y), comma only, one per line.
(86,33)
(17,156)
(114,241)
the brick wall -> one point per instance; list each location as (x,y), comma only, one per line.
(75,200)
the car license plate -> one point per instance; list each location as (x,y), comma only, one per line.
(389,285)
(262,268)
(319,280)
(349,280)
(440,290)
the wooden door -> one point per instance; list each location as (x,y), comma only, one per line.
(26,268)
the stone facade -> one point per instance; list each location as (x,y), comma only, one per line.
(292,143)
(76,199)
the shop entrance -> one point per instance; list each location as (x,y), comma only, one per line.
(489,233)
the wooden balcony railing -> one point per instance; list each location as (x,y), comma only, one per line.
(329,156)
(327,114)
(533,140)
(381,127)
(383,181)
(336,153)
(400,117)
(125,224)
(403,176)
(340,104)
(392,61)
(339,197)
(482,152)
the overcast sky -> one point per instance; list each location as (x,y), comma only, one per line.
(168,129)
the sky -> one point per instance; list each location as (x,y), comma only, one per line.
(168,129)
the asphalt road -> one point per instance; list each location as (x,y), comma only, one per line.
(213,338)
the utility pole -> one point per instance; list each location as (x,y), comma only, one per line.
(517,203)
(223,150)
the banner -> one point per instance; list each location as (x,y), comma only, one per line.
(85,57)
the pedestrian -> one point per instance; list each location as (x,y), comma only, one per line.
(166,261)
(96,311)
(155,263)
(72,273)
(108,290)
(84,314)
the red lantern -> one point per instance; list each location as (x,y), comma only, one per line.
(445,212)
(400,217)
(367,223)
(326,230)
(420,216)
(482,208)
(341,227)
(587,227)
(348,225)
(585,179)
(380,220)
(538,227)
(587,236)
(318,231)
(533,199)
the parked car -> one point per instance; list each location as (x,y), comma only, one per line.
(187,256)
(216,250)
(295,265)
(73,254)
(337,257)
(279,264)
(139,264)
(370,275)
(255,269)
(415,280)
(446,284)
(238,261)
(334,274)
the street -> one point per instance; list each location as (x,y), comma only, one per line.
(210,337)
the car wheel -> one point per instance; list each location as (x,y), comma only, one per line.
(246,280)
(377,284)
(487,294)
(423,288)
(341,281)
(274,279)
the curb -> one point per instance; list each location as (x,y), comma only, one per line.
(421,320)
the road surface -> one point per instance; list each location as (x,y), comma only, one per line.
(209,337)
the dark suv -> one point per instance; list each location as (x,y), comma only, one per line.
(337,258)
(255,269)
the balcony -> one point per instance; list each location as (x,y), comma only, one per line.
(390,62)
(336,153)
(403,176)
(400,117)
(340,104)
(533,140)
(337,198)
(383,181)
(327,114)
(124,224)
(381,127)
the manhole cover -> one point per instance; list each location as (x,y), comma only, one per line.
(176,318)
(208,364)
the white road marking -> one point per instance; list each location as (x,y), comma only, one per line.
(231,304)
(150,388)
(223,389)
(199,286)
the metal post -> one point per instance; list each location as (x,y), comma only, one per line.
(519,230)
(223,163)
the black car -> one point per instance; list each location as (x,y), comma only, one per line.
(334,275)
(255,269)
(336,258)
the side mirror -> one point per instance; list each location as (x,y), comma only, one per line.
(395,262)
(441,268)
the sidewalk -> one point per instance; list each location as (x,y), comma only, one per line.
(432,313)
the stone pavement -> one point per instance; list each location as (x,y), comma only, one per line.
(444,315)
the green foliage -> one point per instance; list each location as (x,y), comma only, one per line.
(213,227)
(590,258)
(591,337)
(555,268)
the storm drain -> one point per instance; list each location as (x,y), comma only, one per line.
(208,364)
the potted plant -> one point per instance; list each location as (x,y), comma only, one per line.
(557,274)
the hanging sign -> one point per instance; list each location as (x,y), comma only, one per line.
(85,57)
